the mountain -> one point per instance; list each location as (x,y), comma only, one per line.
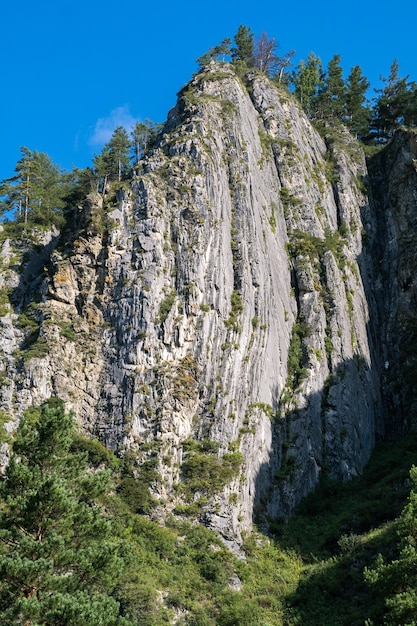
(239,316)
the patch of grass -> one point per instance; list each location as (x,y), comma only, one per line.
(297,359)
(4,301)
(67,330)
(236,310)
(166,305)
(337,531)
(273,219)
(35,346)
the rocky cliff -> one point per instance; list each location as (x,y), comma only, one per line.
(229,315)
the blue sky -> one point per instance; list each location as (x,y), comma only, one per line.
(73,70)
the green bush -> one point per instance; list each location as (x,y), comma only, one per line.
(97,453)
(166,305)
(204,472)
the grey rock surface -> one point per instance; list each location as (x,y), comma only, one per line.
(231,299)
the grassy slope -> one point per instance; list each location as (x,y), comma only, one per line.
(339,530)
(310,572)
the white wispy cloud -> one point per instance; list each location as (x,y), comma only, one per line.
(105,126)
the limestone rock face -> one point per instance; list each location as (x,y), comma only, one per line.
(228,300)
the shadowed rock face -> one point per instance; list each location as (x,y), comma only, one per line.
(393,174)
(229,299)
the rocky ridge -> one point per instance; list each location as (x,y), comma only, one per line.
(220,315)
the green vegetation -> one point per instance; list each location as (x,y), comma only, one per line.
(113,162)
(4,301)
(324,93)
(273,219)
(34,344)
(78,540)
(166,305)
(206,473)
(297,360)
(76,545)
(236,309)
(66,330)
(236,298)
(394,581)
(40,195)
(36,191)
(338,532)
(266,408)
(143,136)
(313,247)
(59,561)
(288,201)
(308,249)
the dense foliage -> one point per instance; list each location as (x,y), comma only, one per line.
(59,560)
(75,547)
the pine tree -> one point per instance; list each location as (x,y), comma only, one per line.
(58,559)
(119,150)
(103,169)
(222,50)
(48,191)
(35,193)
(17,189)
(307,83)
(331,101)
(391,106)
(243,53)
(357,112)
(143,135)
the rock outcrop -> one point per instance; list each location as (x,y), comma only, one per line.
(221,313)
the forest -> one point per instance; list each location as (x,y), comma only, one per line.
(80,540)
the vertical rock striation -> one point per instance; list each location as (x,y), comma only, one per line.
(220,312)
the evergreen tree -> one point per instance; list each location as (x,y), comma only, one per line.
(396,581)
(119,151)
(58,559)
(48,191)
(410,114)
(17,190)
(78,183)
(103,169)
(307,83)
(332,98)
(35,192)
(243,53)
(357,112)
(143,135)
(396,105)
